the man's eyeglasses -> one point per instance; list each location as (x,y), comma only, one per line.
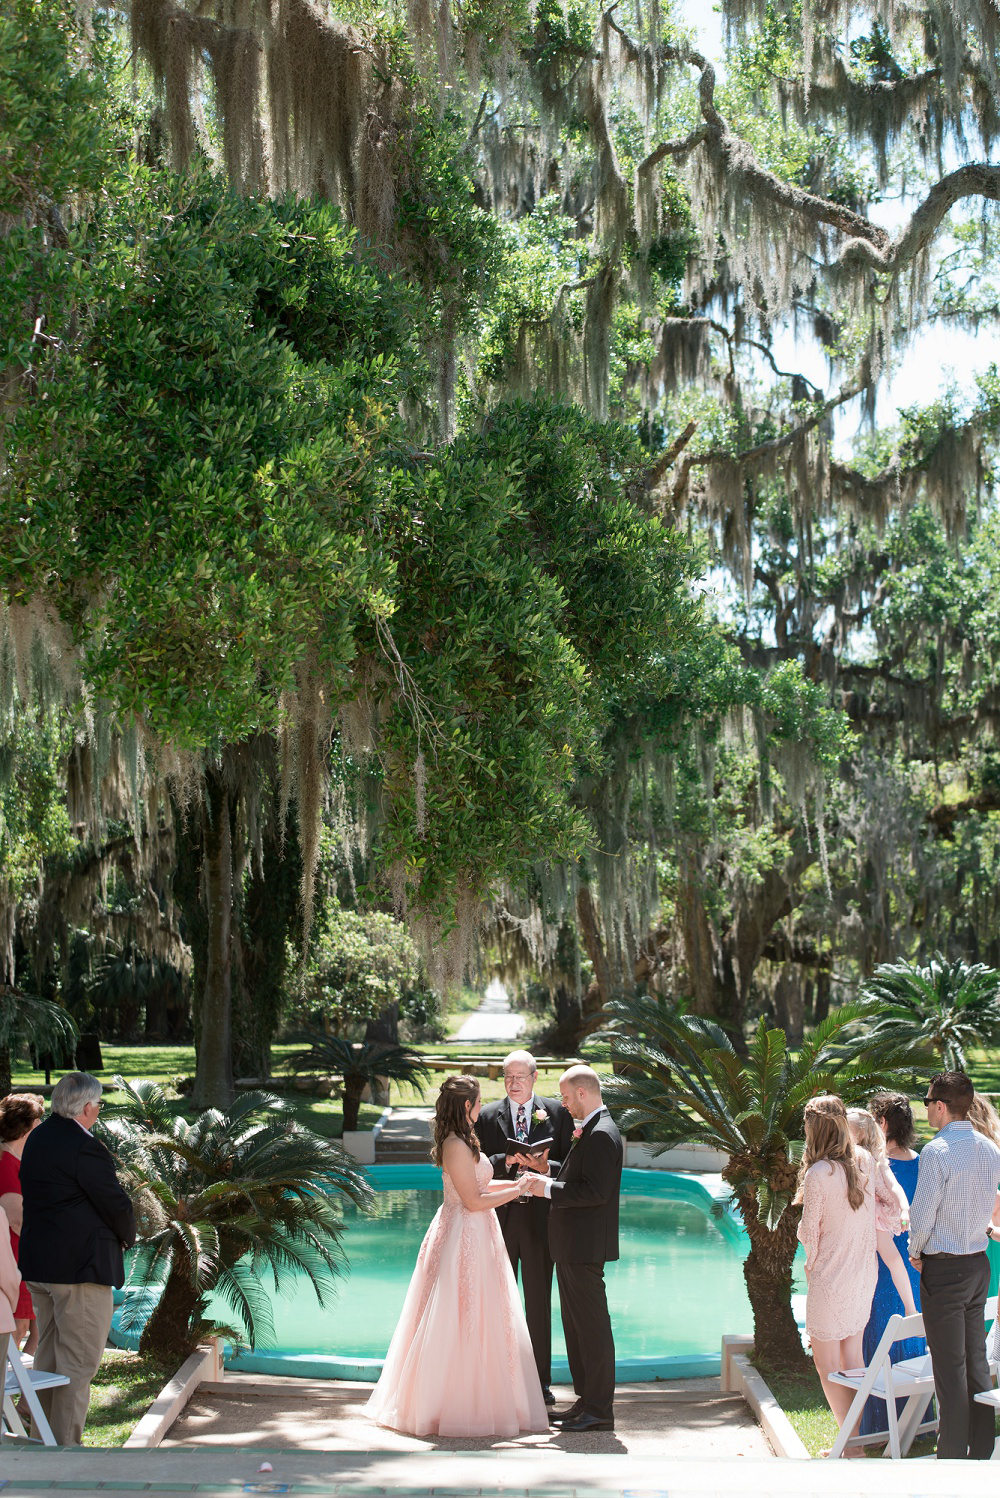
(929,1099)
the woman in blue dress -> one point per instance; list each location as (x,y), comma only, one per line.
(894,1114)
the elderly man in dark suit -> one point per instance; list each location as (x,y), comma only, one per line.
(77,1222)
(522,1114)
(583,1236)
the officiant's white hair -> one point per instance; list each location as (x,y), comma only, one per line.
(582,1076)
(525,1058)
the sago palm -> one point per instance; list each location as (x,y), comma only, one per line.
(358,1065)
(685,1083)
(225,1203)
(938,1010)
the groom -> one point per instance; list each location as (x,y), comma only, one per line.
(522,1114)
(583,1235)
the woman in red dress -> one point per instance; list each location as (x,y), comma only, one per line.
(20,1112)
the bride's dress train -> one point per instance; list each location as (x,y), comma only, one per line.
(460,1361)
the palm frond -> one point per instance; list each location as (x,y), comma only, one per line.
(242,1291)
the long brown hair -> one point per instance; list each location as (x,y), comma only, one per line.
(829,1138)
(450,1116)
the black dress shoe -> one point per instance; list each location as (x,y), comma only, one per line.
(584,1423)
(548,1395)
(574,1412)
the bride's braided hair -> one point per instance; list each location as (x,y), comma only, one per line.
(450,1116)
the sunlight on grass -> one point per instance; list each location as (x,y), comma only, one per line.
(124,1387)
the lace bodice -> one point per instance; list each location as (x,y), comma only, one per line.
(484,1174)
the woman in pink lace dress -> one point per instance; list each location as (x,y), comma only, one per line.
(838,1232)
(460,1361)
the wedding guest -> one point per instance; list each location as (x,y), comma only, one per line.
(10,1287)
(954,1200)
(837,1229)
(525,1116)
(894,1115)
(583,1236)
(460,1361)
(77,1223)
(892,1206)
(20,1112)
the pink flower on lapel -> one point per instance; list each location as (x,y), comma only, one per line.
(577,1132)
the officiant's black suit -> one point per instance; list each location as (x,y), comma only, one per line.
(583,1236)
(524,1224)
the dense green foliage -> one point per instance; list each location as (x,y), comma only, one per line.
(942,1009)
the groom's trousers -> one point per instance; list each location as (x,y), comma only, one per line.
(590,1343)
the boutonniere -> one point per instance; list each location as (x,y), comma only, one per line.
(576,1135)
(539,1115)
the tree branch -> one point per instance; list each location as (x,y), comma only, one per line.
(668,458)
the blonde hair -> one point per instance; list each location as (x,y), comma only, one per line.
(829,1138)
(451,1116)
(984,1118)
(865,1131)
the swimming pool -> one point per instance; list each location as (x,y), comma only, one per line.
(676,1289)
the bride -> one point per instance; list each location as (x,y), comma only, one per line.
(460,1361)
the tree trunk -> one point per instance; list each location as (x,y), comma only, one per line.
(699,947)
(789,1003)
(168,1335)
(353,1089)
(155,1025)
(5,1069)
(768,1274)
(269,920)
(213,1087)
(602,987)
(187,890)
(384,1030)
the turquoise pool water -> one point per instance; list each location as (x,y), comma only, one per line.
(676,1289)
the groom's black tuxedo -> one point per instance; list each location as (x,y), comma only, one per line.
(524,1224)
(583,1235)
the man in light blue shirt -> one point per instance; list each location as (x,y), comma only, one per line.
(951,1208)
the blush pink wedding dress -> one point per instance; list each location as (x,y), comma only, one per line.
(460,1361)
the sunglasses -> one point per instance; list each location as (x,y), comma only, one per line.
(931,1100)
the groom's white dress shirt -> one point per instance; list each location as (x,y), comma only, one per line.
(547,1181)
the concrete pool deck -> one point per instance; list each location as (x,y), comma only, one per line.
(669,1421)
(521,1473)
(690,1442)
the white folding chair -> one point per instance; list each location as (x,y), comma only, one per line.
(911,1379)
(992,1396)
(20,1378)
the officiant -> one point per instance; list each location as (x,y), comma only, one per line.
(524,1117)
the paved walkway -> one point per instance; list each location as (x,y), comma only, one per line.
(514,1474)
(665,1421)
(493,1020)
(670,1443)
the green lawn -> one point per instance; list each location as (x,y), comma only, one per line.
(801,1397)
(167,1064)
(124,1387)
